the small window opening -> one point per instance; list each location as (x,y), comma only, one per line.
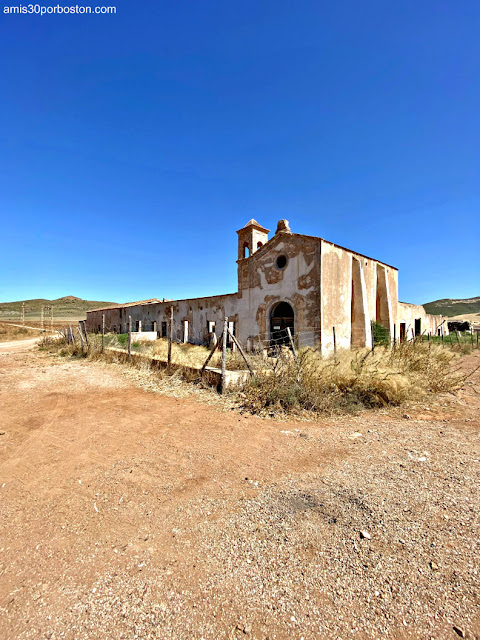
(246,250)
(211,327)
(164,329)
(259,244)
(281,262)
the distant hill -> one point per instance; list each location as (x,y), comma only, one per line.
(66,307)
(451,308)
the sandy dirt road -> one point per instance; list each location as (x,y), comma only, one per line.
(18,346)
(130,514)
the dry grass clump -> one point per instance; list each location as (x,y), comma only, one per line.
(188,355)
(351,381)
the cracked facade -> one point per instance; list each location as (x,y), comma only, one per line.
(318,290)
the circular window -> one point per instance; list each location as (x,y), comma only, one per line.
(281,262)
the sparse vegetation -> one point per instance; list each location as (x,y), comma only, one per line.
(10,332)
(345,383)
(452,307)
(351,381)
(66,307)
(381,335)
(186,355)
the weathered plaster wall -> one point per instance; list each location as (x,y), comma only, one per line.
(198,312)
(360,319)
(336,290)
(337,285)
(262,284)
(407,313)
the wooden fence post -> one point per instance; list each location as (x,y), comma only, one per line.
(85,331)
(170,336)
(103,332)
(293,346)
(214,348)
(239,346)
(79,333)
(224,355)
(129,337)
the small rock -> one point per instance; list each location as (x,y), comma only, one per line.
(406,416)
(433,566)
(247,629)
(365,534)
(459,631)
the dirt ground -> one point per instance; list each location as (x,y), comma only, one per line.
(131,514)
(9,332)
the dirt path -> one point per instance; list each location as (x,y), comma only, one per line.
(126,513)
(18,346)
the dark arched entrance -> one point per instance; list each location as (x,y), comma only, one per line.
(281,318)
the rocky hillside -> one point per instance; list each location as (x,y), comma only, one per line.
(66,307)
(450,307)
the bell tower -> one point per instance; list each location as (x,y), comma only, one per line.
(250,238)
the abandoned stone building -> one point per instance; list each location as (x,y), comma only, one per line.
(318,290)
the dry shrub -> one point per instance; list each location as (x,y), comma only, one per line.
(351,381)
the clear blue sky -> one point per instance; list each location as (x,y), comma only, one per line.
(133,146)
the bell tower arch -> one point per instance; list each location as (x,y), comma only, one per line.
(250,238)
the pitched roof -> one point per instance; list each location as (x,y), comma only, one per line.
(254,223)
(128,304)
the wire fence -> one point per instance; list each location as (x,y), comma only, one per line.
(282,345)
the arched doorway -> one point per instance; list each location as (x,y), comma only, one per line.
(281,318)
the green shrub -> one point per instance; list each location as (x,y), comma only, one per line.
(381,335)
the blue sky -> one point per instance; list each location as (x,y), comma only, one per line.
(134,145)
